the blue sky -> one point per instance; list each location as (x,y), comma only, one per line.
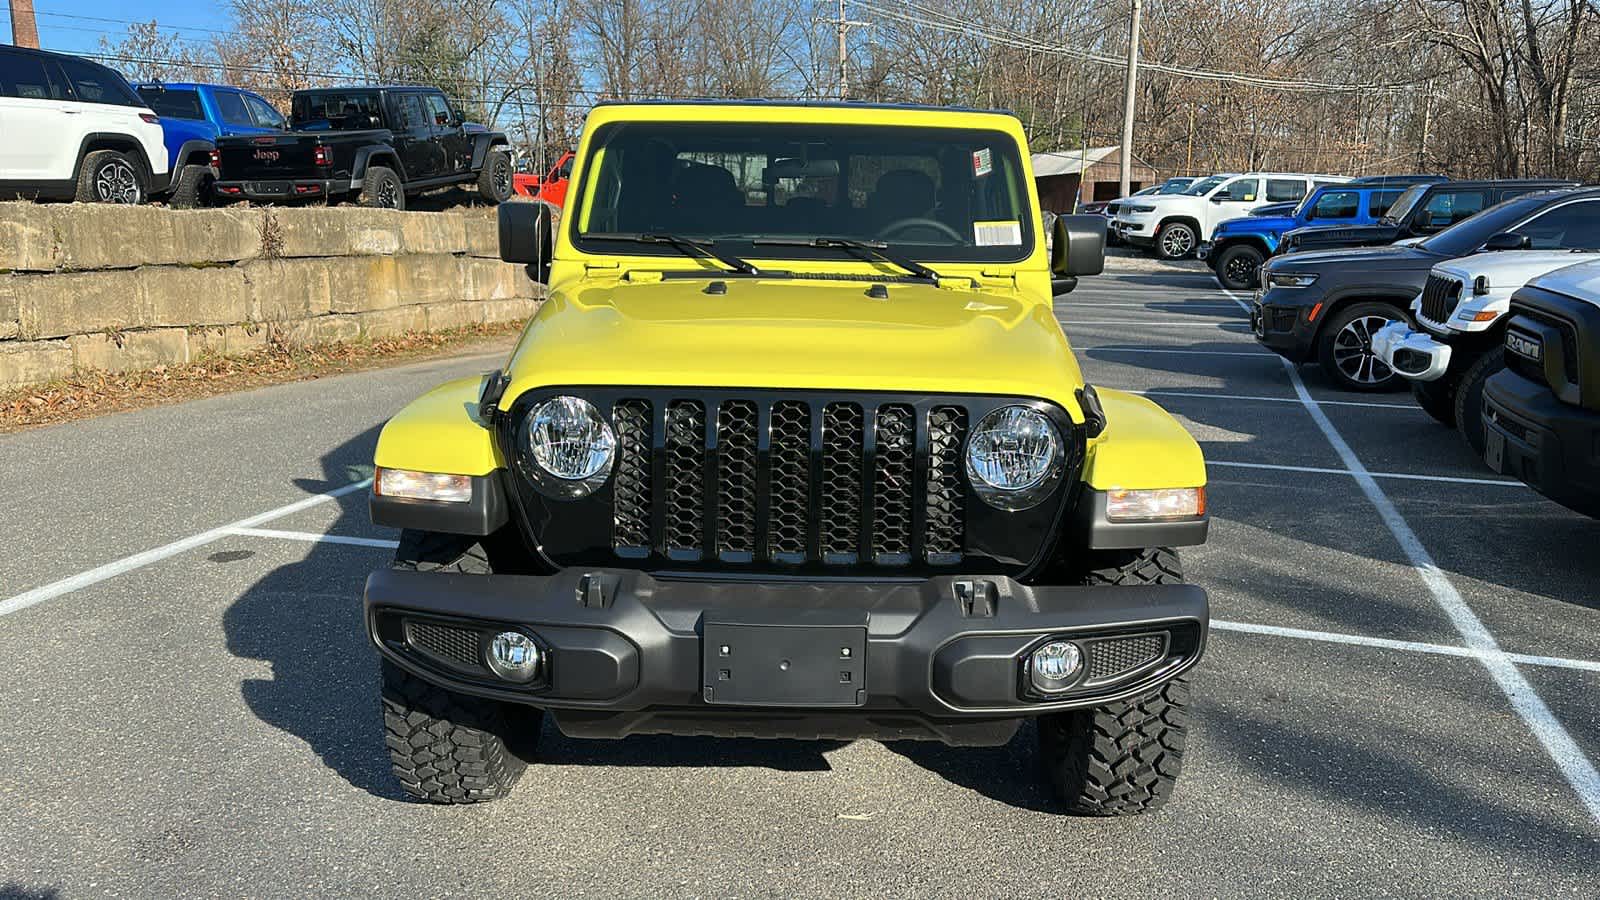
(76,26)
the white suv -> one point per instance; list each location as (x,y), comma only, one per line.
(75,130)
(1173,224)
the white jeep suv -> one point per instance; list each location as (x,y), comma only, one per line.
(75,130)
(1173,224)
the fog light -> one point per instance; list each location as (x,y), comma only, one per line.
(1053,666)
(514,656)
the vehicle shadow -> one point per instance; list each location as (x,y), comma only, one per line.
(1008,774)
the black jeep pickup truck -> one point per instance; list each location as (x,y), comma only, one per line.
(377,144)
(1424,209)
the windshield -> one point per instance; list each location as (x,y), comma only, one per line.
(1402,207)
(1175,186)
(1203,186)
(1469,234)
(335,111)
(933,193)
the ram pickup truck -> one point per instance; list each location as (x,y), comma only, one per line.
(193,116)
(1172,225)
(1424,209)
(1543,410)
(378,145)
(1326,306)
(1460,338)
(796,447)
(1237,247)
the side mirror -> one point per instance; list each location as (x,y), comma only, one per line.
(1078,246)
(527,236)
(1508,240)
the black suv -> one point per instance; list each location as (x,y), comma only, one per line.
(1424,209)
(1325,306)
(378,144)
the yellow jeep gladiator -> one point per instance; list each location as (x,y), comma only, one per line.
(795,448)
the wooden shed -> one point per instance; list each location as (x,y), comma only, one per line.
(1070,177)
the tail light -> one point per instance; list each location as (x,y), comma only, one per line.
(152,118)
(216,158)
(321,156)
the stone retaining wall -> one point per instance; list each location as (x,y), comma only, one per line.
(88,286)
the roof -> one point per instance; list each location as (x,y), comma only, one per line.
(1073,162)
(815,104)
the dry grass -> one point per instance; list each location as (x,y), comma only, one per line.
(97,393)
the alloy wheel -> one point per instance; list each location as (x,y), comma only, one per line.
(388,194)
(1177,241)
(502,178)
(1241,270)
(115,182)
(1353,353)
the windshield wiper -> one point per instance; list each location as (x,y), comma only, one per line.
(697,248)
(877,250)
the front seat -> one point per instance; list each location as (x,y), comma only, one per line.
(705,196)
(901,194)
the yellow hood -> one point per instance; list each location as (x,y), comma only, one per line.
(797,334)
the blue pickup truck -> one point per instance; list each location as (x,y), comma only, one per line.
(1238,247)
(193,116)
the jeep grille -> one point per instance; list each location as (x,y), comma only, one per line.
(1439,298)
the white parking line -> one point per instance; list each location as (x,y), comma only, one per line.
(1184,352)
(1163,392)
(139,560)
(1170,304)
(1334,637)
(1400,476)
(313,537)
(1134,323)
(1568,756)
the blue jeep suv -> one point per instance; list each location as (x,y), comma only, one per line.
(1238,247)
(193,116)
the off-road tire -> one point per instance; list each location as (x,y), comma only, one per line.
(494,179)
(381,188)
(1122,758)
(192,190)
(1329,336)
(446,747)
(1469,399)
(1239,255)
(1437,399)
(1171,229)
(89,173)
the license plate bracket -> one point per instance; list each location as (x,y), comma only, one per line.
(1494,449)
(819,660)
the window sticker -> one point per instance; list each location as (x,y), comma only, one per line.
(997,234)
(983,163)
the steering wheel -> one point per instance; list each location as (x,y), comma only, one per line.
(919,222)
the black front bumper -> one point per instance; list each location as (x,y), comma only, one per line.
(282,189)
(1553,447)
(939,658)
(1281,320)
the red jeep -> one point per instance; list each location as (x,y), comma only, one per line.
(551,188)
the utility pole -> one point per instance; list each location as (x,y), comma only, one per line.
(24,31)
(1128,92)
(842,26)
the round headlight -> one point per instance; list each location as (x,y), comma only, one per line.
(571,446)
(1014,458)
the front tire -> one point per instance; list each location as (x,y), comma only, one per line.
(1176,240)
(1122,758)
(494,179)
(449,748)
(1237,267)
(1344,348)
(381,189)
(1469,399)
(110,176)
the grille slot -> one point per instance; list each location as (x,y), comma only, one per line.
(789,481)
(1110,658)
(1440,296)
(448,644)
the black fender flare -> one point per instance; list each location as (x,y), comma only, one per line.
(189,149)
(383,153)
(481,145)
(1363,294)
(122,143)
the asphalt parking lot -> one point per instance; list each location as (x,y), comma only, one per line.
(1397,699)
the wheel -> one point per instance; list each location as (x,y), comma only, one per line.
(1123,758)
(1469,399)
(446,747)
(110,176)
(381,188)
(193,188)
(1344,347)
(1176,240)
(494,180)
(1437,399)
(1237,267)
